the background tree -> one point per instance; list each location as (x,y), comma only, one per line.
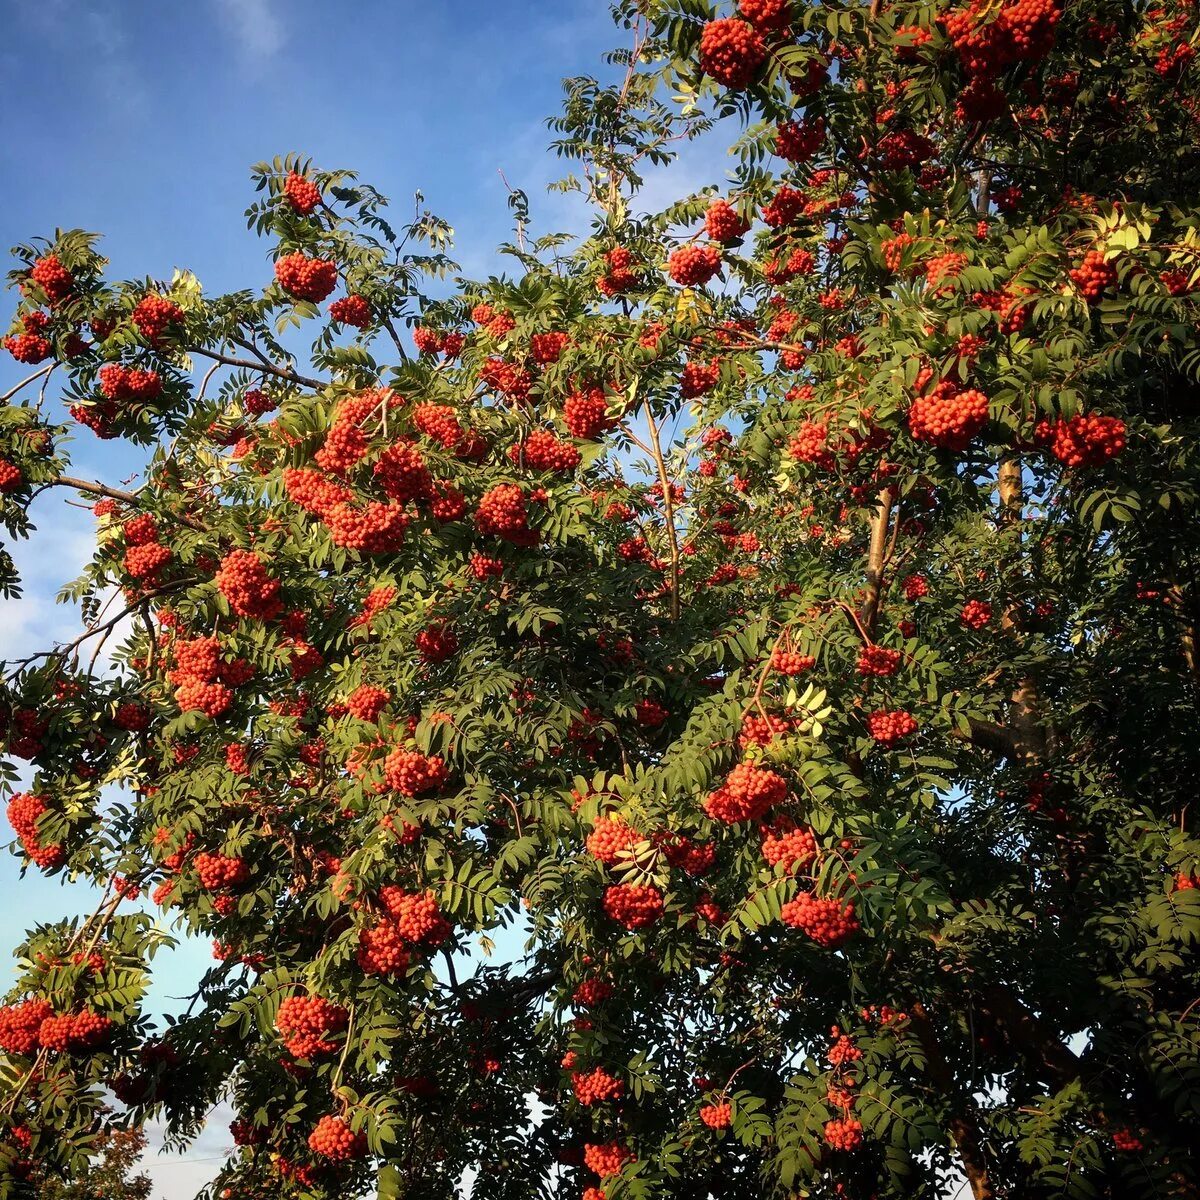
(111,1173)
(780,608)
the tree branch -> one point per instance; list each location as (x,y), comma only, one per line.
(876,558)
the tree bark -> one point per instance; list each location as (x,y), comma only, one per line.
(876,557)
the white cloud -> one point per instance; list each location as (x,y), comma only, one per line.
(255,24)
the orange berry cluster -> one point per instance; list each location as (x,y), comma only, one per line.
(788,844)
(878,661)
(1083,441)
(335,1140)
(301,193)
(351,310)
(746,794)
(620,276)
(947,417)
(828,921)
(732,52)
(976,613)
(24,811)
(722,222)
(502,513)
(606,1158)
(306,278)
(694,266)
(1094,276)
(305,1023)
(585,414)
(154,315)
(888,728)
(542,451)
(633,905)
(798,141)
(610,838)
(596,1086)
(412,773)
(243,581)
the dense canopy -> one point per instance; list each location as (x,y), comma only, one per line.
(776,613)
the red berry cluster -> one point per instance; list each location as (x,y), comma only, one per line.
(382,949)
(302,194)
(767,16)
(915,586)
(154,315)
(786,844)
(416,914)
(811,445)
(718,1115)
(1083,441)
(502,513)
(436,643)
(893,250)
(220,872)
(947,417)
(889,728)
(131,716)
(694,266)
(732,52)
(547,348)
(722,222)
(244,582)
(72,1033)
(782,209)
(508,379)
(976,613)
(878,661)
(1094,276)
(305,1023)
(606,1158)
(585,414)
(20,1023)
(698,378)
(1127,1141)
(633,905)
(610,838)
(844,1133)
(788,662)
(988,40)
(542,451)
(412,773)
(367,702)
(306,278)
(746,794)
(335,1140)
(24,811)
(588,994)
(620,276)
(129,383)
(596,1086)
(10,477)
(798,141)
(695,858)
(52,277)
(29,348)
(351,310)
(828,921)
(439,423)
(760,730)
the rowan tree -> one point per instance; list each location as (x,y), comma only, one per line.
(779,609)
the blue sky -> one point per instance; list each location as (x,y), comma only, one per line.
(139,119)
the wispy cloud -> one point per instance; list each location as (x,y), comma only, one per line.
(255,24)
